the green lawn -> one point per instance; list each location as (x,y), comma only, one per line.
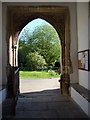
(37,75)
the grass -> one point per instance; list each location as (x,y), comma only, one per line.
(37,75)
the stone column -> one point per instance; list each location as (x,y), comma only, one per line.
(66,62)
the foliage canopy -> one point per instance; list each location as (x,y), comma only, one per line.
(43,41)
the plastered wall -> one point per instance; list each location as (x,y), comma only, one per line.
(83,40)
(74,42)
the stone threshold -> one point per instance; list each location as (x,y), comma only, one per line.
(82,91)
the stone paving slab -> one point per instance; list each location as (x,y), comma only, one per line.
(37,114)
(48,106)
(46,96)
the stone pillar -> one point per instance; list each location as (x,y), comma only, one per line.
(66,61)
(65,83)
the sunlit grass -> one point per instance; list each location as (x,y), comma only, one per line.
(37,75)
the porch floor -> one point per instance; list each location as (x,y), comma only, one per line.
(47,104)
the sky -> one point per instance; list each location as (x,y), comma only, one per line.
(31,25)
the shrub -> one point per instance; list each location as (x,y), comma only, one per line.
(35,61)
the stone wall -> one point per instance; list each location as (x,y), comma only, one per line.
(72,8)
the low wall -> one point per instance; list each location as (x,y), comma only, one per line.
(81,101)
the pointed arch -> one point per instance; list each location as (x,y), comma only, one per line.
(59,18)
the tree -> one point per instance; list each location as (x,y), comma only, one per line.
(23,51)
(35,61)
(44,39)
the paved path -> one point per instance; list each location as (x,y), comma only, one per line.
(38,85)
(48,104)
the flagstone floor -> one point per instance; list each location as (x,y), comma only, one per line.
(47,104)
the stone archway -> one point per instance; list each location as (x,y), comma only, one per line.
(59,17)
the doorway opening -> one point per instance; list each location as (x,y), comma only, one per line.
(61,23)
(39,57)
(59,18)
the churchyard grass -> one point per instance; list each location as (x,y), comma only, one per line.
(38,75)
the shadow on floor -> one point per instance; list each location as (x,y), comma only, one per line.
(47,104)
(50,92)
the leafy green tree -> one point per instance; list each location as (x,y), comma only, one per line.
(46,42)
(23,51)
(35,61)
(44,39)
